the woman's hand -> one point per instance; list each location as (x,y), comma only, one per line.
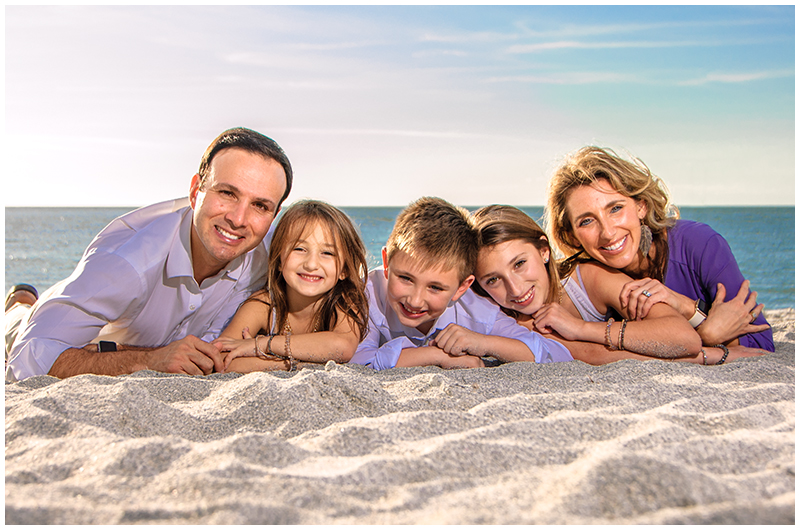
(553,317)
(732,319)
(244,347)
(638,304)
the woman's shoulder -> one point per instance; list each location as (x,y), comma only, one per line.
(687,231)
(593,270)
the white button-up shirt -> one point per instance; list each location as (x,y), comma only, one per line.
(387,337)
(135,285)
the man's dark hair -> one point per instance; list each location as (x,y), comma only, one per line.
(251,141)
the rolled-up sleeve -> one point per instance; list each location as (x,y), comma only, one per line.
(72,313)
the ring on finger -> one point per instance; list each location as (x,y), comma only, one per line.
(647,293)
(754,315)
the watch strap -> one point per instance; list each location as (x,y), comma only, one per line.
(699,317)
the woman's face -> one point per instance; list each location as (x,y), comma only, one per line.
(606,224)
(515,275)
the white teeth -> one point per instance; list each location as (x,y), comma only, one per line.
(616,246)
(227,234)
(524,298)
(409,311)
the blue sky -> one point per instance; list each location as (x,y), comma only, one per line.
(381,105)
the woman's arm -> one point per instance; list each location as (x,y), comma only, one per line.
(663,333)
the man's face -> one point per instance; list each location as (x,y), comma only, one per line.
(234,209)
(418,295)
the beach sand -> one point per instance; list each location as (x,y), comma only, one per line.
(630,442)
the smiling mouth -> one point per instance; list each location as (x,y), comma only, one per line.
(227,235)
(310,278)
(616,246)
(527,297)
(411,314)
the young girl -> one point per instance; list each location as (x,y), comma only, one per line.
(314,306)
(515,269)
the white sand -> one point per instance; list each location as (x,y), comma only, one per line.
(631,442)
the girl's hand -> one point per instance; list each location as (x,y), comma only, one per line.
(638,304)
(456,340)
(553,317)
(244,347)
(729,320)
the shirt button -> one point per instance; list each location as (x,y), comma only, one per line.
(191,307)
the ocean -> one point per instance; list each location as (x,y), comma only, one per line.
(43,245)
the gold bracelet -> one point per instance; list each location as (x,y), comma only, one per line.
(288,352)
(608,334)
(622,334)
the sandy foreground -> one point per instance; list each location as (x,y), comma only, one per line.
(630,442)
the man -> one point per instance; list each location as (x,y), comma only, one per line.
(159,283)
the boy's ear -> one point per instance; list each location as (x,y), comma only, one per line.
(463,287)
(385,259)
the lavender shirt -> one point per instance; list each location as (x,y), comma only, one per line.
(699,259)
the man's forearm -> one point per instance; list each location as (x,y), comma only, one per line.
(76,361)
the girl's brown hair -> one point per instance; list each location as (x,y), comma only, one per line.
(497,224)
(348,295)
(629,178)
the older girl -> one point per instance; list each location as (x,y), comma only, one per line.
(516,269)
(615,212)
(314,307)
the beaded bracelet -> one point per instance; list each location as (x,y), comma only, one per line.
(622,334)
(608,334)
(724,355)
(705,357)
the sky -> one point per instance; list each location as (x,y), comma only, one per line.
(378,106)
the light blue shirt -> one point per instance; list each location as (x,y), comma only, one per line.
(387,337)
(135,285)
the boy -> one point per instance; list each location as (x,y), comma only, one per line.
(421,310)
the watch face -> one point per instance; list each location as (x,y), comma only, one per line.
(703,306)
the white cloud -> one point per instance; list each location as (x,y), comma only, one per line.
(742,77)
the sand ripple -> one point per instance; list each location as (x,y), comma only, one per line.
(630,442)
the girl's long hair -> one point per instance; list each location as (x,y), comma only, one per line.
(629,178)
(497,224)
(348,295)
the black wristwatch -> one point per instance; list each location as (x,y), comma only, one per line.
(106,345)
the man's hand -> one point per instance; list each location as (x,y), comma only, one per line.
(189,355)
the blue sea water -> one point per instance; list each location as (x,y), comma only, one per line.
(43,245)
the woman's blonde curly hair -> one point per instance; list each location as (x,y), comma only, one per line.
(629,178)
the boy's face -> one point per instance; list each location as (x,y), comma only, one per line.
(418,295)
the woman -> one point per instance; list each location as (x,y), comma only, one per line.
(515,269)
(615,212)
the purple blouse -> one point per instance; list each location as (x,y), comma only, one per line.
(699,259)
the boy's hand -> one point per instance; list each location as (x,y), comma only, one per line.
(456,340)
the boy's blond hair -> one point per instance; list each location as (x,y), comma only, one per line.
(436,233)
